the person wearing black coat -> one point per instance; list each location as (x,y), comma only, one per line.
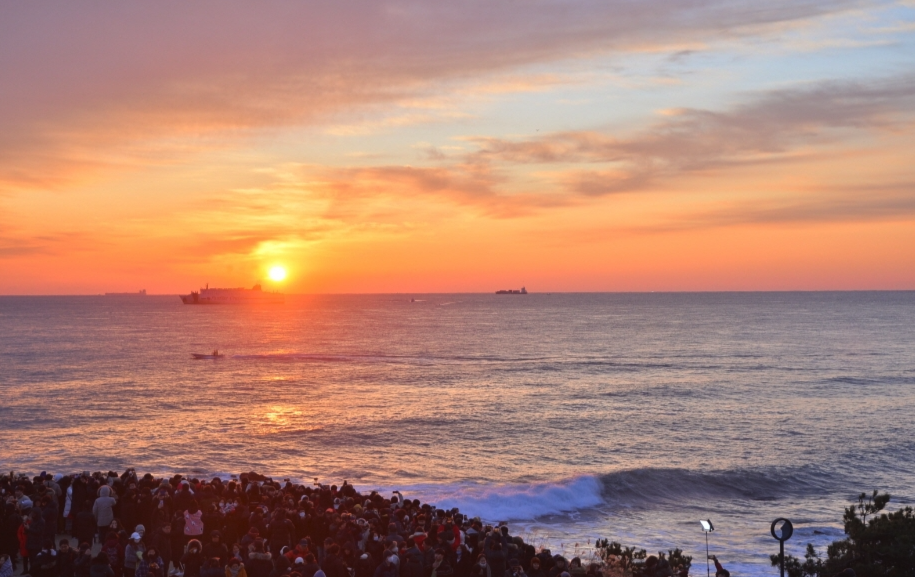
(311,567)
(333,565)
(84,528)
(259,562)
(387,568)
(413,562)
(534,569)
(212,568)
(495,556)
(44,563)
(99,566)
(49,514)
(280,532)
(9,533)
(34,534)
(365,566)
(193,559)
(161,541)
(66,559)
(83,561)
(216,548)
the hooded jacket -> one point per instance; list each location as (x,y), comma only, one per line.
(259,564)
(103,508)
(193,561)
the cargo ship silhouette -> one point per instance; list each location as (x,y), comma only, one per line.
(523,291)
(232,296)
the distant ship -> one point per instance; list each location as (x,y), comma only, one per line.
(142,293)
(232,296)
(523,291)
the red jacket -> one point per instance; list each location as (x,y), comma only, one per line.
(20,534)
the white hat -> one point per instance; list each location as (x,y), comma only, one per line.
(299,560)
(135,537)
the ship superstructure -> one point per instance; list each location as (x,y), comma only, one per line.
(233,296)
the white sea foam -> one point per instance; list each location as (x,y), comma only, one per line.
(512,501)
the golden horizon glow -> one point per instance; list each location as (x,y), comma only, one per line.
(618,146)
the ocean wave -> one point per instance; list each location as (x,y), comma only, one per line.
(512,502)
(618,490)
(657,486)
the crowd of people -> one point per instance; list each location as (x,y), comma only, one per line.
(250,526)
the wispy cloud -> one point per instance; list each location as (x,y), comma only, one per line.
(118,84)
(771,127)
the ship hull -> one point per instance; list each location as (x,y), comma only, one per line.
(192,299)
(233,296)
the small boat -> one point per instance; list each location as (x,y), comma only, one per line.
(213,355)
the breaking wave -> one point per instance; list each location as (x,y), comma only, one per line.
(622,489)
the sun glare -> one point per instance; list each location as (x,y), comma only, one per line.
(277,273)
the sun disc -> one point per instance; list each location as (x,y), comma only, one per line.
(277,273)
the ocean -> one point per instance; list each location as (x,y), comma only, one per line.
(570,416)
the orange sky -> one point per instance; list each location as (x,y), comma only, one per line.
(465,146)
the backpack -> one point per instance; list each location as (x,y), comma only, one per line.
(193,523)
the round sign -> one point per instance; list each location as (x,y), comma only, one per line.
(782,529)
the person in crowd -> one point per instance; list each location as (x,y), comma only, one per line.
(260,562)
(83,560)
(6,565)
(151,564)
(560,566)
(66,559)
(212,568)
(515,569)
(103,511)
(495,556)
(235,568)
(193,521)
(111,546)
(161,541)
(44,564)
(575,568)
(133,554)
(387,568)
(216,548)
(440,566)
(100,566)
(534,568)
(481,568)
(193,559)
(719,570)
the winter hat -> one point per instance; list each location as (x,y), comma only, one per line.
(299,560)
(140,529)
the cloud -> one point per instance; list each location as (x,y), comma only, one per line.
(776,126)
(862,203)
(89,84)
(15,246)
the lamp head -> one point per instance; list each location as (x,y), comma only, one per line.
(707,526)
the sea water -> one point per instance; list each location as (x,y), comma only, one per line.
(570,416)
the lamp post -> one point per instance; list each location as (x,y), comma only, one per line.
(707,527)
(781,529)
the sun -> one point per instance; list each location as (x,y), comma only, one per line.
(277,273)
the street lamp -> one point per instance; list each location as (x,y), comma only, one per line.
(781,530)
(707,527)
